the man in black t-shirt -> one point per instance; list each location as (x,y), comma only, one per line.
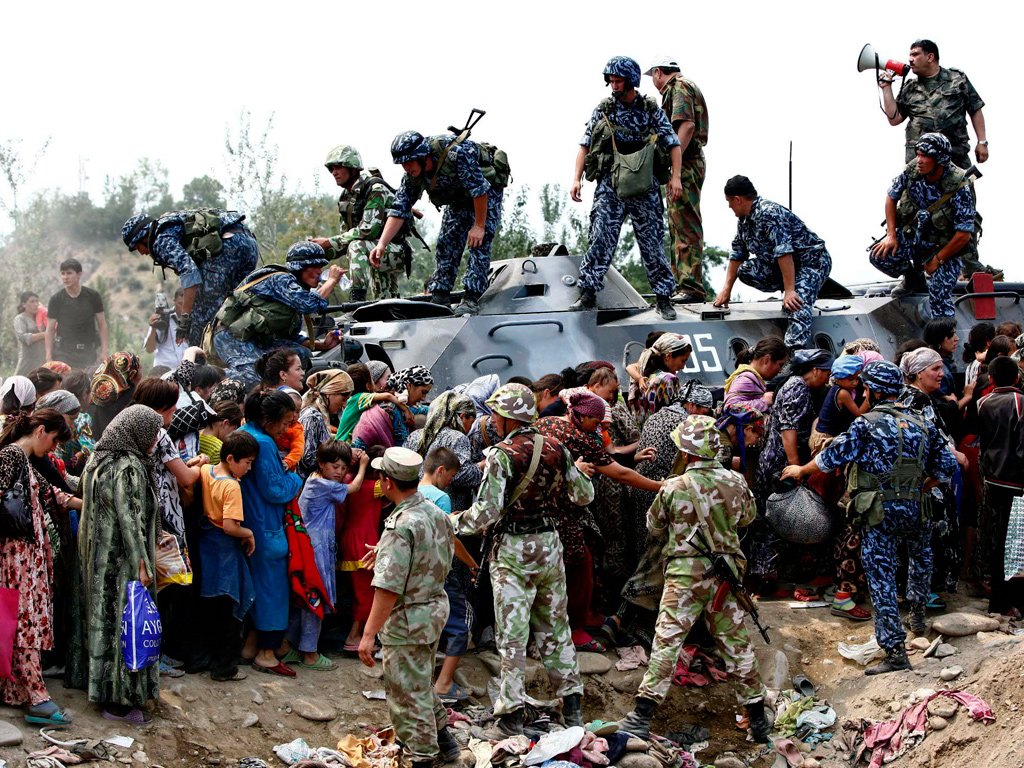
(76,325)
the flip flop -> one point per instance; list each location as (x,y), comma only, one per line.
(803,686)
(790,751)
(805,594)
(455,693)
(602,728)
(57,718)
(857,613)
(134,716)
(322,664)
(278,669)
(292,657)
(935,603)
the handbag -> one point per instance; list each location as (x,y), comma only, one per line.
(799,515)
(16,509)
(141,629)
(1013,555)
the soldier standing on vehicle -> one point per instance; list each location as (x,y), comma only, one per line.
(527,479)
(929,225)
(210,250)
(468,180)
(718,502)
(620,150)
(363,207)
(685,109)
(897,456)
(410,608)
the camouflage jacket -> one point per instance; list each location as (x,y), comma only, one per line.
(363,213)
(771,231)
(168,244)
(413,559)
(914,195)
(556,482)
(468,178)
(940,104)
(683,102)
(705,493)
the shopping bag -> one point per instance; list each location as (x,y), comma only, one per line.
(140,628)
(172,563)
(8,628)
(1013,554)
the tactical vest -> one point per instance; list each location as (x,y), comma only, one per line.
(203,232)
(600,153)
(493,165)
(250,317)
(904,481)
(352,205)
(939,227)
(540,499)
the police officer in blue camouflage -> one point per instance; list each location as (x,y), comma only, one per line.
(450,170)
(209,250)
(267,311)
(787,257)
(929,224)
(627,123)
(896,456)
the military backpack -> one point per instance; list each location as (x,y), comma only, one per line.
(494,166)
(933,224)
(250,317)
(204,229)
(603,156)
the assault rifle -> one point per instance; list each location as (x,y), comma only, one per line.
(730,580)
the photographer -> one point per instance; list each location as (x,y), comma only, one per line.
(163,326)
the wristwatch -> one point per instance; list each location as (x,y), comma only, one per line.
(983,143)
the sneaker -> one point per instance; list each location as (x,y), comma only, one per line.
(665,308)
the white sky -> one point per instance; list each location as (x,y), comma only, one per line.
(113,82)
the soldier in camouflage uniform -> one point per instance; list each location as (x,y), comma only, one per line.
(918,237)
(939,100)
(895,452)
(210,251)
(363,206)
(625,123)
(410,608)
(685,109)
(788,257)
(449,169)
(719,502)
(527,479)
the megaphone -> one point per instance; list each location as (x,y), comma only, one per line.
(868,59)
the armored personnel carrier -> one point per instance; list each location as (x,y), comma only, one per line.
(525,328)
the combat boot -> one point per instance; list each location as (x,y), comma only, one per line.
(638,722)
(759,725)
(571,711)
(357,295)
(665,308)
(586,301)
(448,748)
(444,298)
(915,620)
(469,306)
(895,661)
(507,725)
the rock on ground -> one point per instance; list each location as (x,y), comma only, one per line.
(10,734)
(960,624)
(593,663)
(315,712)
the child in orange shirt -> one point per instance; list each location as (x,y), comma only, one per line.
(292,441)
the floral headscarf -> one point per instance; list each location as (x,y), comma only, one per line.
(323,383)
(442,413)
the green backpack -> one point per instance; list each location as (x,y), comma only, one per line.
(494,166)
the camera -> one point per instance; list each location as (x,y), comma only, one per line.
(163,309)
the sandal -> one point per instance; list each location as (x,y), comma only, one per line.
(48,713)
(322,664)
(238,675)
(292,657)
(856,613)
(584,642)
(935,603)
(455,693)
(134,716)
(278,669)
(803,686)
(805,594)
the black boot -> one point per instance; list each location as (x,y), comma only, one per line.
(448,748)
(759,725)
(470,305)
(665,308)
(571,712)
(638,722)
(509,724)
(357,295)
(895,661)
(586,301)
(915,620)
(444,298)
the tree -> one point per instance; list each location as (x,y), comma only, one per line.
(515,237)
(202,192)
(15,172)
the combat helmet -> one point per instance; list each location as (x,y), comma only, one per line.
(344,155)
(697,436)
(936,146)
(135,230)
(624,67)
(883,378)
(305,254)
(514,401)
(408,146)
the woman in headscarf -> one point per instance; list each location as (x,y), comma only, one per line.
(17,394)
(327,394)
(448,420)
(364,397)
(117,544)
(755,367)
(380,372)
(112,388)
(26,564)
(668,354)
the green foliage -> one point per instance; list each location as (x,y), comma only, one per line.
(202,192)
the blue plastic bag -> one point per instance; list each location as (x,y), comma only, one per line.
(140,628)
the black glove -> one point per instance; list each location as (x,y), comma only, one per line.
(184,326)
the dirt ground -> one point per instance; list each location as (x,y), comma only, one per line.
(200,722)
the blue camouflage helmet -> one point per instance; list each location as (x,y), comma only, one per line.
(409,145)
(135,230)
(624,67)
(305,254)
(882,378)
(936,146)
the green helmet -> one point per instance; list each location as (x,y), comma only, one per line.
(514,401)
(344,155)
(697,436)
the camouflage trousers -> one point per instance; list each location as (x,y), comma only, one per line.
(380,283)
(685,598)
(879,554)
(239,357)
(451,242)
(417,714)
(528,580)
(906,258)
(221,274)
(687,230)
(606,217)
(812,272)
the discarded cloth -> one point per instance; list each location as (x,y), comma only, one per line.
(789,711)
(864,653)
(632,657)
(481,752)
(376,751)
(695,667)
(890,739)
(819,718)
